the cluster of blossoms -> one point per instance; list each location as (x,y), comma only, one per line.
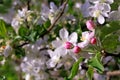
(34,62)
(44,57)
(22,17)
(98,9)
(68,45)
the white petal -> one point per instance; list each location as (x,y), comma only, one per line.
(63,34)
(53,7)
(110,1)
(56,43)
(61,51)
(101,19)
(107,7)
(73,37)
(51,63)
(51,53)
(114,15)
(85,9)
(83,44)
(7,51)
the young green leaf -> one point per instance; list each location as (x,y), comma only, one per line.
(3,31)
(89,73)
(109,28)
(95,63)
(75,68)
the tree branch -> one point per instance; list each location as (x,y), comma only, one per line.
(57,18)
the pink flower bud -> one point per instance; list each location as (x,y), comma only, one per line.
(93,40)
(68,45)
(90,25)
(76,49)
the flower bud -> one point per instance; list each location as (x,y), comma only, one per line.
(68,45)
(76,49)
(90,25)
(93,40)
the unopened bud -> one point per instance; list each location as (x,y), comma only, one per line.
(76,49)
(93,40)
(68,45)
(90,25)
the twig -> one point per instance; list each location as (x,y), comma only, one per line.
(57,18)
(23,44)
(112,73)
(28,4)
(109,54)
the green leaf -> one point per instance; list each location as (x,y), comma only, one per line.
(22,31)
(33,36)
(89,73)
(95,63)
(47,24)
(110,43)
(75,69)
(109,28)
(3,31)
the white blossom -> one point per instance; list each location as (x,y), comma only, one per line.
(86,37)
(100,11)
(64,37)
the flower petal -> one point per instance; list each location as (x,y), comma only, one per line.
(101,19)
(83,44)
(61,51)
(63,34)
(73,37)
(53,7)
(56,43)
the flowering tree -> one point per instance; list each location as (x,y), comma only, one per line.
(59,40)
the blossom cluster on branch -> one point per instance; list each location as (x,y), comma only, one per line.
(59,40)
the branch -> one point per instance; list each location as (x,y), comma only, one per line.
(112,73)
(109,54)
(57,18)
(28,4)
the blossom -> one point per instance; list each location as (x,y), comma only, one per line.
(102,1)
(85,9)
(7,51)
(51,12)
(65,37)
(90,25)
(86,37)
(20,18)
(99,11)
(54,57)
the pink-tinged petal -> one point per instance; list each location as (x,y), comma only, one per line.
(90,25)
(57,43)
(91,34)
(101,19)
(63,34)
(73,37)
(83,44)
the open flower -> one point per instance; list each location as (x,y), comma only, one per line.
(86,37)
(102,1)
(99,11)
(54,57)
(65,40)
(50,13)
(21,17)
